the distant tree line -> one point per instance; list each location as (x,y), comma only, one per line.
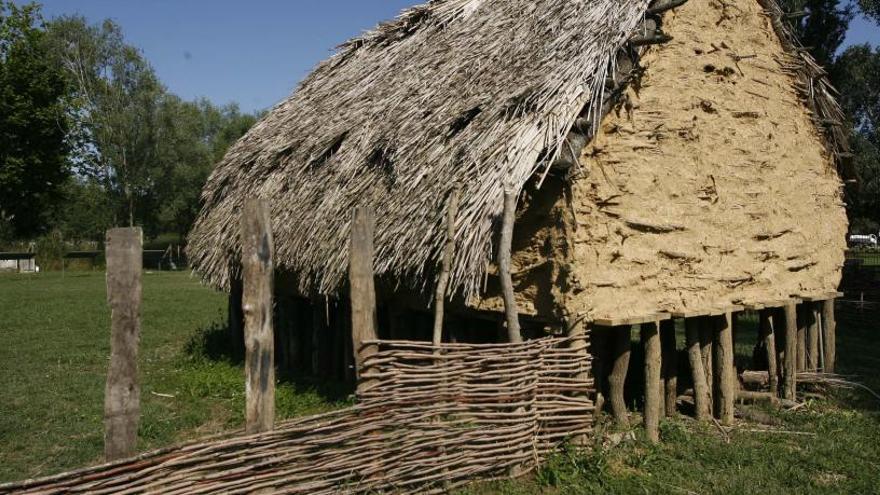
(89,136)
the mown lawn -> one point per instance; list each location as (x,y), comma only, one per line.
(54,352)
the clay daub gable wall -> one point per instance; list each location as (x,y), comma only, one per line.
(712,185)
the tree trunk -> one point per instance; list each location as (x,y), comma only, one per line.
(504,254)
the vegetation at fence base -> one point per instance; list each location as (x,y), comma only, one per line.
(54,356)
(829,446)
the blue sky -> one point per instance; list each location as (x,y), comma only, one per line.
(251,52)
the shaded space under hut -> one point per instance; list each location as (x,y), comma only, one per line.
(666,160)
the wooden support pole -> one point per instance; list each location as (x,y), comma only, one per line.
(446,268)
(768,336)
(504,253)
(258,252)
(577,332)
(814,316)
(707,332)
(789,382)
(621,343)
(363,290)
(669,366)
(653,383)
(702,399)
(802,323)
(829,334)
(122,395)
(725,394)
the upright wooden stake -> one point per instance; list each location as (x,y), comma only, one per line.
(768,336)
(702,400)
(707,336)
(802,323)
(122,395)
(363,290)
(577,331)
(653,385)
(448,252)
(814,316)
(258,252)
(621,343)
(829,330)
(789,382)
(725,395)
(669,366)
(511,314)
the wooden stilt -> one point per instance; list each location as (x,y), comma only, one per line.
(707,332)
(768,336)
(814,315)
(725,369)
(789,383)
(669,366)
(829,332)
(702,400)
(599,346)
(577,331)
(801,350)
(504,254)
(653,383)
(258,270)
(621,343)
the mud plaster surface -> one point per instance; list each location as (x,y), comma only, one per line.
(716,189)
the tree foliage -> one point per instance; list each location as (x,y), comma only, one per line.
(33,128)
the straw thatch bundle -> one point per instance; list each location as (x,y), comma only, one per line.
(473,92)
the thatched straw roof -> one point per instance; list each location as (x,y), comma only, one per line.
(476,92)
(479,93)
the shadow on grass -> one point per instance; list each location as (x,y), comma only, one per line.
(215,343)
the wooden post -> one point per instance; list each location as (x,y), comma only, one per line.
(446,268)
(829,333)
(577,332)
(802,323)
(707,331)
(653,384)
(814,316)
(122,395)
(789,382)
(767,335)
(504,253)
(620,337)
(702,399)
(257,269)
(669,366)
(363,290)
(725,394)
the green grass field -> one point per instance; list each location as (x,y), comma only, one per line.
(54,355)
(53,362)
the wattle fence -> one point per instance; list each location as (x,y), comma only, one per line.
(431,419)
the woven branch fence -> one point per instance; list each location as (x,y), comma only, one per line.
(431,419)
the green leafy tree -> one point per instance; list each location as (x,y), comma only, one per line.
(33,127)
(116,107)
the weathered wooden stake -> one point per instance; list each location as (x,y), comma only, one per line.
(122,395)
(504,253)
(577,331)
(789,382)
(258,252)
(448,253)
(702,400)
(802,323)
(363,290)
(725,395)
(768,336)
(707,336)
(829,333)
(814,316)
(669,366)
(621,343)
(653,384)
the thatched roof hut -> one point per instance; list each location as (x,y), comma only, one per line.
(653,175)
